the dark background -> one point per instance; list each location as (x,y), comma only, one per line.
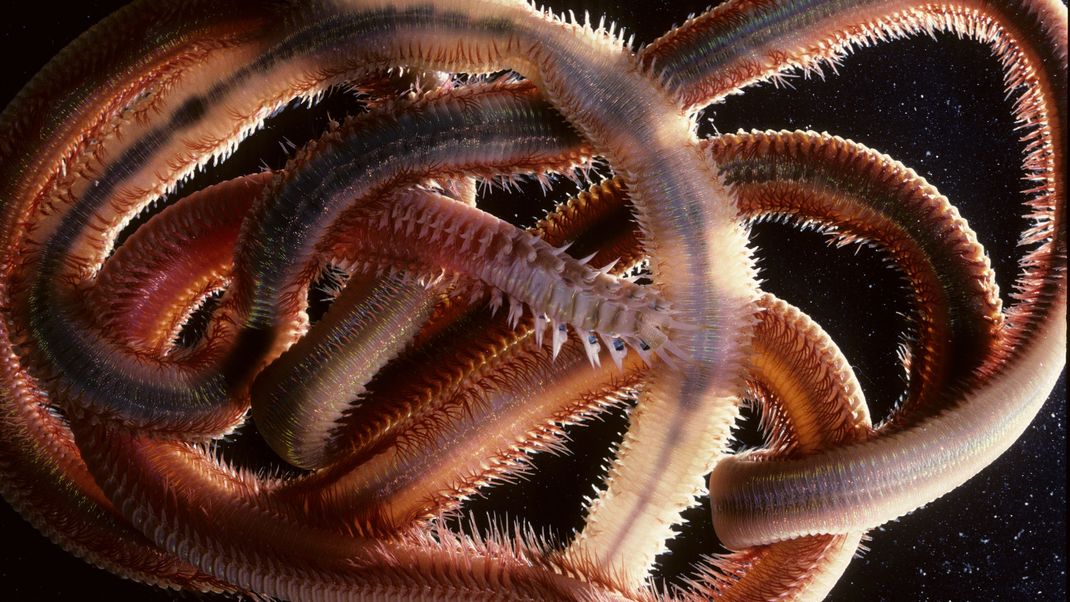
(938,107)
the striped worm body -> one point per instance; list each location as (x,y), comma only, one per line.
(973,422)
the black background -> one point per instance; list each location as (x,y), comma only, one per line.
(938,107)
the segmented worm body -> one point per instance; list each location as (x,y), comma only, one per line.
(459,344)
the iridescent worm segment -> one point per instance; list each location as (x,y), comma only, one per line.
(409,395)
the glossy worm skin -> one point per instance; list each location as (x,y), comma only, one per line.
(408,395)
